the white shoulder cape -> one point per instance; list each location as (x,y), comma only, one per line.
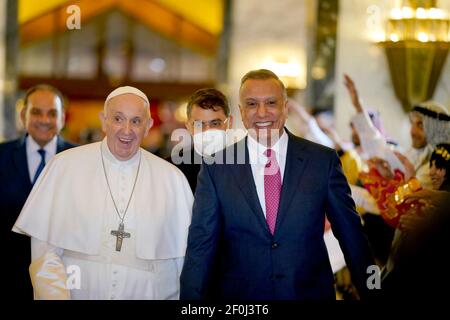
(66,206)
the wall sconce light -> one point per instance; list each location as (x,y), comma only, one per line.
(416,43)
(289,70)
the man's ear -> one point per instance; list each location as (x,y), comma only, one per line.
(149,126)
(23,115)
(189,127)
(231,122)
(63,118)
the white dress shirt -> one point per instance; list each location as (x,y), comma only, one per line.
(33,156)
(258,162)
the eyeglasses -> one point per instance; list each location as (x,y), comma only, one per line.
(213,124)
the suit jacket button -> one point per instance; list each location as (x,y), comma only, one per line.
(274,245)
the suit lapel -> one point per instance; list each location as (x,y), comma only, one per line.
(244,178)
(60,144)
(296,161)
(295,165)
(21,163)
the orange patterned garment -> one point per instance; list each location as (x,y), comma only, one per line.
(389,194)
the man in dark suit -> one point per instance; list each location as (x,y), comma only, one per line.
(208,118)
(258,222)
(21,162)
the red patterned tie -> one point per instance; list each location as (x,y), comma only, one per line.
(272,188)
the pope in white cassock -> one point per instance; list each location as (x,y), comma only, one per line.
(109,220)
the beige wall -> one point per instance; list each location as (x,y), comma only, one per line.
(264,29)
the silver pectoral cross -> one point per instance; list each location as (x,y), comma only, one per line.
(120,234)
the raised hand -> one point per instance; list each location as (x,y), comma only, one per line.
(351,88)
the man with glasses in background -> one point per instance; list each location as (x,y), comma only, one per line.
(208,118)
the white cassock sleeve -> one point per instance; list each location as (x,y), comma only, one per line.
(47,272)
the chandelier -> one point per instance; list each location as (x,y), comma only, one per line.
(418,21)
(416,43)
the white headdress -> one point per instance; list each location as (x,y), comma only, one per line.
(436,122)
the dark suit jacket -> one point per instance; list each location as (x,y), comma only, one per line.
(190,168)
(229,237)
(15,185)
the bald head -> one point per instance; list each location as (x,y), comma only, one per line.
(263,74)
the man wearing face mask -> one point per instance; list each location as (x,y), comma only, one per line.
(208,115)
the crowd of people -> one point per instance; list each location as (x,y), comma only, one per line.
(270,217)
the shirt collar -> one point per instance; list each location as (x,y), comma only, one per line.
(111,158)
(256,150)
(33,146)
